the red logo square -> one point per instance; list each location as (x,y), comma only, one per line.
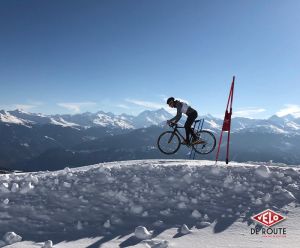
(268,218)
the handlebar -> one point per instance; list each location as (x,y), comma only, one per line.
(172,124)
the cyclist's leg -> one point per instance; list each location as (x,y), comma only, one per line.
(188,125)
(192,130)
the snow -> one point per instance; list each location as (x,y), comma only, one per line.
(158,223)
(107,224)
(4,187)
(293,125)
(48,244)
(61,122)
(262,171)
(47,137)
(105,120)
(213,124)
(15,187)
(151,121)
(196,214)
(136,209)
(184,229)
(141,232)
(2,243)
(147,203)
(8,118)
(154,243)
(273,128)
(26,187)
(11,238)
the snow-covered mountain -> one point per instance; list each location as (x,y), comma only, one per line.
(148,118)
(150,203)
(39,119)
(7,117)
(84,120)
(278,125)
(100,118)
(288,125)
(87,119)
(274,124)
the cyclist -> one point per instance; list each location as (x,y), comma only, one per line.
(191,113)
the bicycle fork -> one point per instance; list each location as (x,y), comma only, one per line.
(172,135)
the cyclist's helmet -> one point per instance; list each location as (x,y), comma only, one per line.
(170,99)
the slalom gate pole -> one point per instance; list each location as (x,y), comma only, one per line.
(228,140)
(227,123)
(220,141)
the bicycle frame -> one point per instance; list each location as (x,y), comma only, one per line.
(175,127)
(198,125)
(205,145)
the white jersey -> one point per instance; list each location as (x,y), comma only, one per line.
(184,108)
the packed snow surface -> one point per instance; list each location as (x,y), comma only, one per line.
(147,203)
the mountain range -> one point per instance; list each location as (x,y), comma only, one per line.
(32,141)
(86,120)
(286,125)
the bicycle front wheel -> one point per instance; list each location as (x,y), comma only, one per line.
(209,142)
(168,142)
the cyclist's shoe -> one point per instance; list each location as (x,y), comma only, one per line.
(185,142)
(198,141)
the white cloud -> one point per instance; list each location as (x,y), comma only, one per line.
(21,106)
(248,112)
(75,107)
(123,106)
(291,109)
(151,105)
(25,107)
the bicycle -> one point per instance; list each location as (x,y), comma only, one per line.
(169,142)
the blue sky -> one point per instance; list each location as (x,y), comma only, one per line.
(73,56)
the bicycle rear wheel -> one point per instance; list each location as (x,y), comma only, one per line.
(208,146)
(168,142)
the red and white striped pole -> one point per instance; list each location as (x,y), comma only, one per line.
(227,122)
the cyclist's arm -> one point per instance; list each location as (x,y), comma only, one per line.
(178,115)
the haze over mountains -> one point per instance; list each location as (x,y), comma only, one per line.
(31,141)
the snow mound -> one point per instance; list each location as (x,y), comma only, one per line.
(141,232)
(158,223)
(48,244)
(4,187)
(196,214)
(262,171)
(203,224)
(11,238)
(26,187)
(184,229)
(2,243)
(107,224)
(155,243)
